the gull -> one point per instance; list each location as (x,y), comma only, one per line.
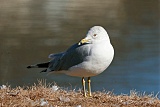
(87,58)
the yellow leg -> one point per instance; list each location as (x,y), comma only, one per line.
(83,84)
(89,87)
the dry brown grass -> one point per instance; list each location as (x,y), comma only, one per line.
(49,96)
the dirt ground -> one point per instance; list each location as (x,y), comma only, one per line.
(53,96)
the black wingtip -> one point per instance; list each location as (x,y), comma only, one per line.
(28,67)
(45,70)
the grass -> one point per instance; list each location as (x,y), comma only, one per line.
(50,95)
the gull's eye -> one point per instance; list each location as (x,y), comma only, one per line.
(95,35)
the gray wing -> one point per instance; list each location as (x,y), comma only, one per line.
(73,56)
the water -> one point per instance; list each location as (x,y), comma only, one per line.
(31,30)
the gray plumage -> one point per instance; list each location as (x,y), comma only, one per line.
(89,57)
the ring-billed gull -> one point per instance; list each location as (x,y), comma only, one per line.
(90,57)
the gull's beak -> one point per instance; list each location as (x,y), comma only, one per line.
(84,41)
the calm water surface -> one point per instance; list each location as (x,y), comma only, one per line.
(31,30)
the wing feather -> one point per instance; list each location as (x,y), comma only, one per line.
(73,56)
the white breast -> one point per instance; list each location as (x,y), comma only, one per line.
(95,63)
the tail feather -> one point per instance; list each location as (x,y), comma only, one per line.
(40,65)
(45,70)
(32,66)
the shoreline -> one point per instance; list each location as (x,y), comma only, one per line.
(49,95)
